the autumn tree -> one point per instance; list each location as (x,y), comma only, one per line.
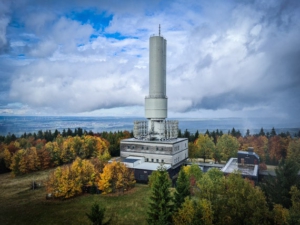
(25,161)
(54,151)
(279,215)
(194,174)
(278,147)
(228,146)
(295,209)
(196,211)
(182,189)
(95,147)
(45,158)
(259,143)
(67,153)
(293,152)
(67,181)
(7,157)
(15,163)
(116,176)
(160,206)
(205,146)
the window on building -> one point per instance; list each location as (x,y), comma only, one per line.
(157,160)
(156,148)
(142,147)
(162,161)
(151,160)
(147,160)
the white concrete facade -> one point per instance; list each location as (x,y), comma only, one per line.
(170,152)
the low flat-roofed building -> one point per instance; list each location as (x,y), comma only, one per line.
(146,156)
(247,164)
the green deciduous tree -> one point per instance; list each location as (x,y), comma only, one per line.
(160,206)
(293,151)
(228,145)
(192,150)
(295,209)
(233,200)
(205,146)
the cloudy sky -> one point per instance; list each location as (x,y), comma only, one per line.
(224,58)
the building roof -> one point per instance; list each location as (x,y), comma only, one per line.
(248,153)
(170,141)
(142,165)
(151,166)
(247,170)
(129,160)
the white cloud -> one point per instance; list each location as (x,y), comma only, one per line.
(224,58)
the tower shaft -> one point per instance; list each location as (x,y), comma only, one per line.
(156,102)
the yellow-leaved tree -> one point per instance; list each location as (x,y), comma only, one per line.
(25,161)
(196,211)
(67,181)
(7,158)
(116,177)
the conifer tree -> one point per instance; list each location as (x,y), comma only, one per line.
(182,189)
(160,206)
(277,189)
(97,215)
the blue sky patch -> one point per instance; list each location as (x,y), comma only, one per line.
(118,36)
(98,20)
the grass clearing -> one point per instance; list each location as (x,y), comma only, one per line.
(21,205)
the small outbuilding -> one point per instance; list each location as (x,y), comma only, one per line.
(247,163)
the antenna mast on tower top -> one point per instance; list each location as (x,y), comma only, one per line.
(159,30)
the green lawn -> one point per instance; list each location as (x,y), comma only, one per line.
(20,205)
